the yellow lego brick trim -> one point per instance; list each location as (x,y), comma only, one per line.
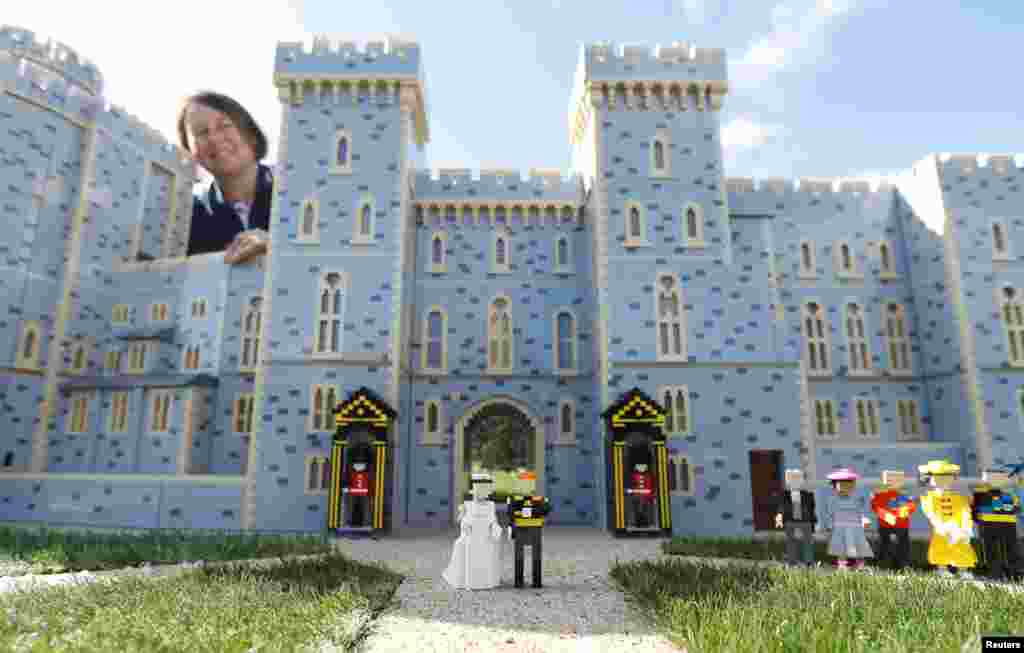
(533,521)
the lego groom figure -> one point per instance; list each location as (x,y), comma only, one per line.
(893,511)
(796,515)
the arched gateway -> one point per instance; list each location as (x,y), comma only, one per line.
(499,435)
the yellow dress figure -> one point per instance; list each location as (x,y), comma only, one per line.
(950,515)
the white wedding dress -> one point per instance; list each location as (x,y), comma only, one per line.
(476,556)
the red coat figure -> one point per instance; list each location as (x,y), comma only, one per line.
(643,484)
(359,480)
(359,493)
(641,488)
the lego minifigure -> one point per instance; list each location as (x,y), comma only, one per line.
(642,490)
(893,510)
(527,525)
(995,514)
(950,515)
(844,517)
(359,492)
(476,556)
(796,515)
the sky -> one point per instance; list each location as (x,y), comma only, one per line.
(817,88)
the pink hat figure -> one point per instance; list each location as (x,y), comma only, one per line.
(843,474)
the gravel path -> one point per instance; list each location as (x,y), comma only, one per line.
(576,611)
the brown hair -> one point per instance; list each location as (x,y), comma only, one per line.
(232,109)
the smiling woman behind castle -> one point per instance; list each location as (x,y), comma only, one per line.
(233,213)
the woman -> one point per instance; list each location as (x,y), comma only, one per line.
(234,212)
(844,517)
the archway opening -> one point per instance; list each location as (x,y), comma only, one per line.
(500,440)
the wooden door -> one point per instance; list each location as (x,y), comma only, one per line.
(765,480)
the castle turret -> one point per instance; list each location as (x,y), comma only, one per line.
(351,121)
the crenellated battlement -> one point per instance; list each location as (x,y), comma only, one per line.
(87,110)
(807,185)
(54,56)
(968,164)
(500,184)
(324,58)
(673,61)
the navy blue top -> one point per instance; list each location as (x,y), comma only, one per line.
(215,222)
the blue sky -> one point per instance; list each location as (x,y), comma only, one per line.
(818,88)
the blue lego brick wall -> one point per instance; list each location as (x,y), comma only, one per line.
(135,503)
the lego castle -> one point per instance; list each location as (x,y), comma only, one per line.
(748,327)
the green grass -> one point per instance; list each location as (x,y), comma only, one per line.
(54,550)
(230,608)
(771,549)
(747,609)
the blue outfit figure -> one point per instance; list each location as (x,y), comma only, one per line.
(845,519)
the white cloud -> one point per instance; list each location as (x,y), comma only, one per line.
(148,67)
(797,34)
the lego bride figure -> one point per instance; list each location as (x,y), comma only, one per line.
(476,556)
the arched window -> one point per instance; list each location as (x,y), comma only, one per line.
(693,225)
(670,319)
(328,334)
(9,459)
(562,253)
(675,400)
(565,419)
(251,334)
(438,255)
(845,258)
(342,151)
(28,352)
(435,340)
(499,251)
(856,341)
(29,346)
(341,156)
(78,360)
(432,418)
(635,231)
(324,403)
(899,343)
(309,220)
(807,267)
(659,156)
(1013,322)
(438,251)
(364,221)
(566,342)
(998,239)
(816,335)
(885,258)
(314,473)
(499,326)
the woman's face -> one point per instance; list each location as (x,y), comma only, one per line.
(217,143)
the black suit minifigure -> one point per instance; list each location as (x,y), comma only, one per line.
(527,529)
(799,526)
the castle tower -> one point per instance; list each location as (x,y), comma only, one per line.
(351,120)
(644,126)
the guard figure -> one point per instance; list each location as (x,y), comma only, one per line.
(642,490)
(795,513)
(995,514)
(893,511)
(527,529)
(359,492)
